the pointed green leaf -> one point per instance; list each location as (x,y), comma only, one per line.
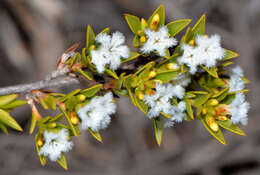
(133,22)
(33,123)
(9,121)
(112,73)
(177,26)
(167,76)
(43,159)
(14,104)
(90,92)
(161,12)
(106,30)
(212,71)
(133,55)
(71,94)
(218,135)
(201,99)
(199,27)
(228,99)
(158,129)
(189,108)
(229,55)
(62,161)
(51,102)
(57,118)
(119,82)
(220,93)
(90,40)
(95,134)
(136,41)
(228,125)
(6,99)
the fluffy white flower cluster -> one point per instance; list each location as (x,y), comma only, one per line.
(110,51)
(207,52)
(177,115)
(55,144)
(161,100)
(239,107)
(158,41)
(96,114)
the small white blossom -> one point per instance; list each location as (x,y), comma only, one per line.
(207,52)
(158,41)
(182,80)
(110,51)
(55,144)
(177,114)
(160,101)
(239,109)
(236,83)
(96,114)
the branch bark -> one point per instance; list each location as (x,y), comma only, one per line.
(23,88)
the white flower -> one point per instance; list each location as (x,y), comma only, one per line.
(177,114)
(158,41)
(160,101)
(110,51)
(207,52)
(182,80)
(55,144)
(239,109)
(96,114)
(211,47)
(236,83)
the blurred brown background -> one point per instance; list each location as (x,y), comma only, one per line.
(34,33)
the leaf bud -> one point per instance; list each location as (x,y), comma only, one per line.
(143,23)
(143,39)
(155,21)
(52,125)
(152,74)
(212,123)
(204,111)
(192,42)
(213,102)
(170,66)
(222,117)
(140,96)
(92,47)
(81,97)
(40,142)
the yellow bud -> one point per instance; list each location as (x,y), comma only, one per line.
(206,36)
(214,127)
(140,96)
(143,23)
(213,102)
(92,47)
(222,117)
(52,125)
(192,43)
(40,142)
(139,32)
(170,66)
(155,21)
(204,111)
(143,39)
(81,97)
(152,74)
(74,120)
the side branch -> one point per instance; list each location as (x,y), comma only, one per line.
(23,88)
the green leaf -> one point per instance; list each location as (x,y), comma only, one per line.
(71,103)
(161,12)
(90,92)
(9,121)
(136,41)
(220,93)
(141,105)
(90,40)
(176,26)
(85,74)
(106,30)
(119,82)
(199,27)
(33,123)
(148,65)
(133,22)
(14,104)
(43,159)
(71,94)
(158,129)
(228,125)
(228,99)
(201,99)
(127,82)
(112,73)
(95,134)
(189,108)
(133,55)
(212,71)
(6,99)
(62,161)
(3,128)
(57,118)
(167,76)
(229,55)
(51,102)
(218,135)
